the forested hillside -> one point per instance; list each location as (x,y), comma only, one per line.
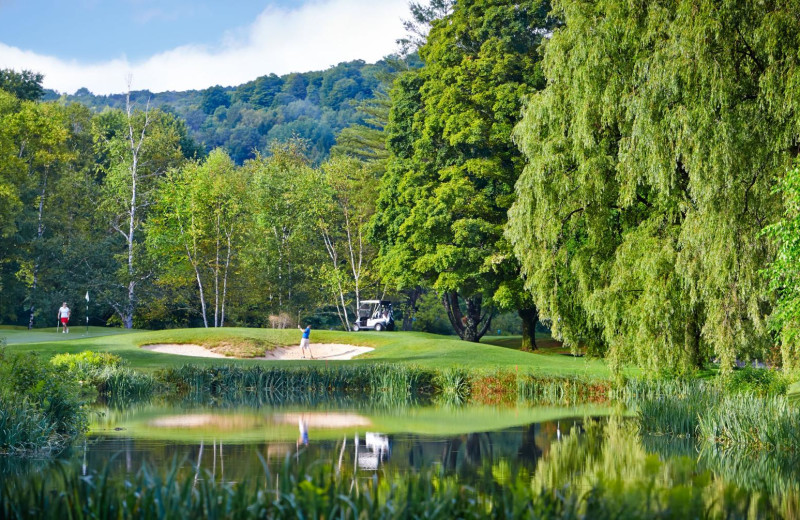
(314,106)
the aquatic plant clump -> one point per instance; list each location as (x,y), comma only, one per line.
(106,374)
(752,423)
(746,420)
(41,411)
(453,386)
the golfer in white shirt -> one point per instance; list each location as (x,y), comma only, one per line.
(63,317)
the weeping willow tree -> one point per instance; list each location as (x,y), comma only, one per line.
(652,155)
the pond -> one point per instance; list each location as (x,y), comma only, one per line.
(232,444)
(589,456)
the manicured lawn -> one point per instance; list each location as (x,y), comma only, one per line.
(545,344)
(16,335)
(413,348)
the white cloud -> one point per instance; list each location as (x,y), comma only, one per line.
(312,37)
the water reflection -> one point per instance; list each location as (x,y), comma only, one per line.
(538,448)
(233,443)
(672,472)
(463,455)
(375,451)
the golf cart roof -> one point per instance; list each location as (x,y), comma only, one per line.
(383,302)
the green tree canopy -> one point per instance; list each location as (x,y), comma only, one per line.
(25,85)
(453,165)
(214,97)
(651,157)
(283,253)
(196,228)
(784,273)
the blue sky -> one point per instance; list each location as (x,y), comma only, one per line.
(183,44)
(90,30)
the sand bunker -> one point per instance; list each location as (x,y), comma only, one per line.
(325,351)
(324,419)
(182,350)
(321,351)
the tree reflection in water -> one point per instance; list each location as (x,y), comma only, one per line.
(631,470)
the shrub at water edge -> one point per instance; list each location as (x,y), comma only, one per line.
(41,411)
(107,374)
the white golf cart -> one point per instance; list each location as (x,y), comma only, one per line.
(374,314)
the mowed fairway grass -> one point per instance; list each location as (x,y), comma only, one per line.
(409,348)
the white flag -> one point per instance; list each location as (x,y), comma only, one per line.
(87,296)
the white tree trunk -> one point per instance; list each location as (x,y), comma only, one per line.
(216,274)
(196,268)
(330,247)
(135,147)
(39,235)
(225,280)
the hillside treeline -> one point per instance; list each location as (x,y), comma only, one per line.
(623,172)
(314,106)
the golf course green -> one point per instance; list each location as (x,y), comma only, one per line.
(409,348)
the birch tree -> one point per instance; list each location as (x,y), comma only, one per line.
(137,146)
(197,226)
(282,250)
(344,207)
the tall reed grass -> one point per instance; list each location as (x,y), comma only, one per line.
(668,415)
(562,390)
(319,491)
(725,417)
(381,383)
(25,429)
(752,423)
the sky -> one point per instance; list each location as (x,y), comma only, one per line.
(190,44)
